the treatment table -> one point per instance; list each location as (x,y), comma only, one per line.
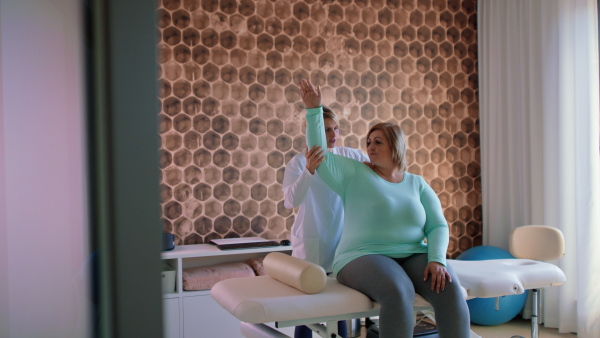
(295,292)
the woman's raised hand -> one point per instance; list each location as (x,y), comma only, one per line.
(311,95)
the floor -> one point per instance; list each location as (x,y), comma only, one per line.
(518,327)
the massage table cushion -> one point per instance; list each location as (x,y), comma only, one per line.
(503,277)
(282,295)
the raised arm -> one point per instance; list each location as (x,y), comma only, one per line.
(335,170)
(313,101)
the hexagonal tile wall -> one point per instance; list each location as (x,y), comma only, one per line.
(232,117)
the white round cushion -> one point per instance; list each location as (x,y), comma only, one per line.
(305,276)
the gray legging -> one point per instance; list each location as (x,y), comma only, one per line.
(392,282)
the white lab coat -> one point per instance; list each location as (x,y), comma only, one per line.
(318,225)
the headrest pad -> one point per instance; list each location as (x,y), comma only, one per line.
(305,276)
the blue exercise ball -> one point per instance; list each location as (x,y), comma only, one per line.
(483,310)
(483,252)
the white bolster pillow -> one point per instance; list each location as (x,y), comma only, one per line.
(305,276)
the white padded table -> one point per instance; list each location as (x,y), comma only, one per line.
(258,300)
(503,277)
(263,300)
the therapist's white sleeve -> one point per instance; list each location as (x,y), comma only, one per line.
(296,182)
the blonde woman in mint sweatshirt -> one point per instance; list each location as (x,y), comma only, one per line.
(388,215)
(317,228)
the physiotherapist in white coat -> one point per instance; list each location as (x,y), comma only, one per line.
(318,225)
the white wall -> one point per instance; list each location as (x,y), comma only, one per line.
(43,198)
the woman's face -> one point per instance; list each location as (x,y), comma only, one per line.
(331,132)
(378,148)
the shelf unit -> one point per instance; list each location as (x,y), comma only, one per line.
(190,314)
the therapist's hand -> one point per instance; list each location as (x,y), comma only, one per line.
(314,157)
(439,276)
(311,95)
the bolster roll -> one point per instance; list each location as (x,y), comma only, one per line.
(305,276)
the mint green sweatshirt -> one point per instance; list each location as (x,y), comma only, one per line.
(390,219)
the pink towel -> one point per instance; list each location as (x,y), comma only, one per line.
(204,277)
(257,265)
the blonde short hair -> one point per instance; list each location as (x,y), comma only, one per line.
(328,113)
(395,137)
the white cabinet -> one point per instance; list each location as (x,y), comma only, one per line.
(194,314)
(205,318)
(171,317)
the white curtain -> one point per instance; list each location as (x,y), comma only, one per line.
(538,71)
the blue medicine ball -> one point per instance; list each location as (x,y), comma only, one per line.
(483,310)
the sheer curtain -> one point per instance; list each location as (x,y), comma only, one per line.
(538,69)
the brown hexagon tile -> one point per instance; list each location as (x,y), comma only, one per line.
(172,176)
(230,141)
(192,209)
(258,224)
(276,225)
(172,141)
(258,192)
(473,229)
(266,175)
(437,155)
(459,169)
(239,158)
(241,224)
(182,193)
(231,175)
(202,192)
(451,214)
(232,207)
(212,208)
(466,184)
(222,191)
(274,191)
(212,175)
(457,229)
(182,158)
(464,243)
(428,171)
(203,225)
(172,210)
(249,176)
(221,158)
(465,214)
(267,208)
(240,191)
(222,225)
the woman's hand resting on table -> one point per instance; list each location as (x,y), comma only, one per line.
(311,95)
(439,276)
